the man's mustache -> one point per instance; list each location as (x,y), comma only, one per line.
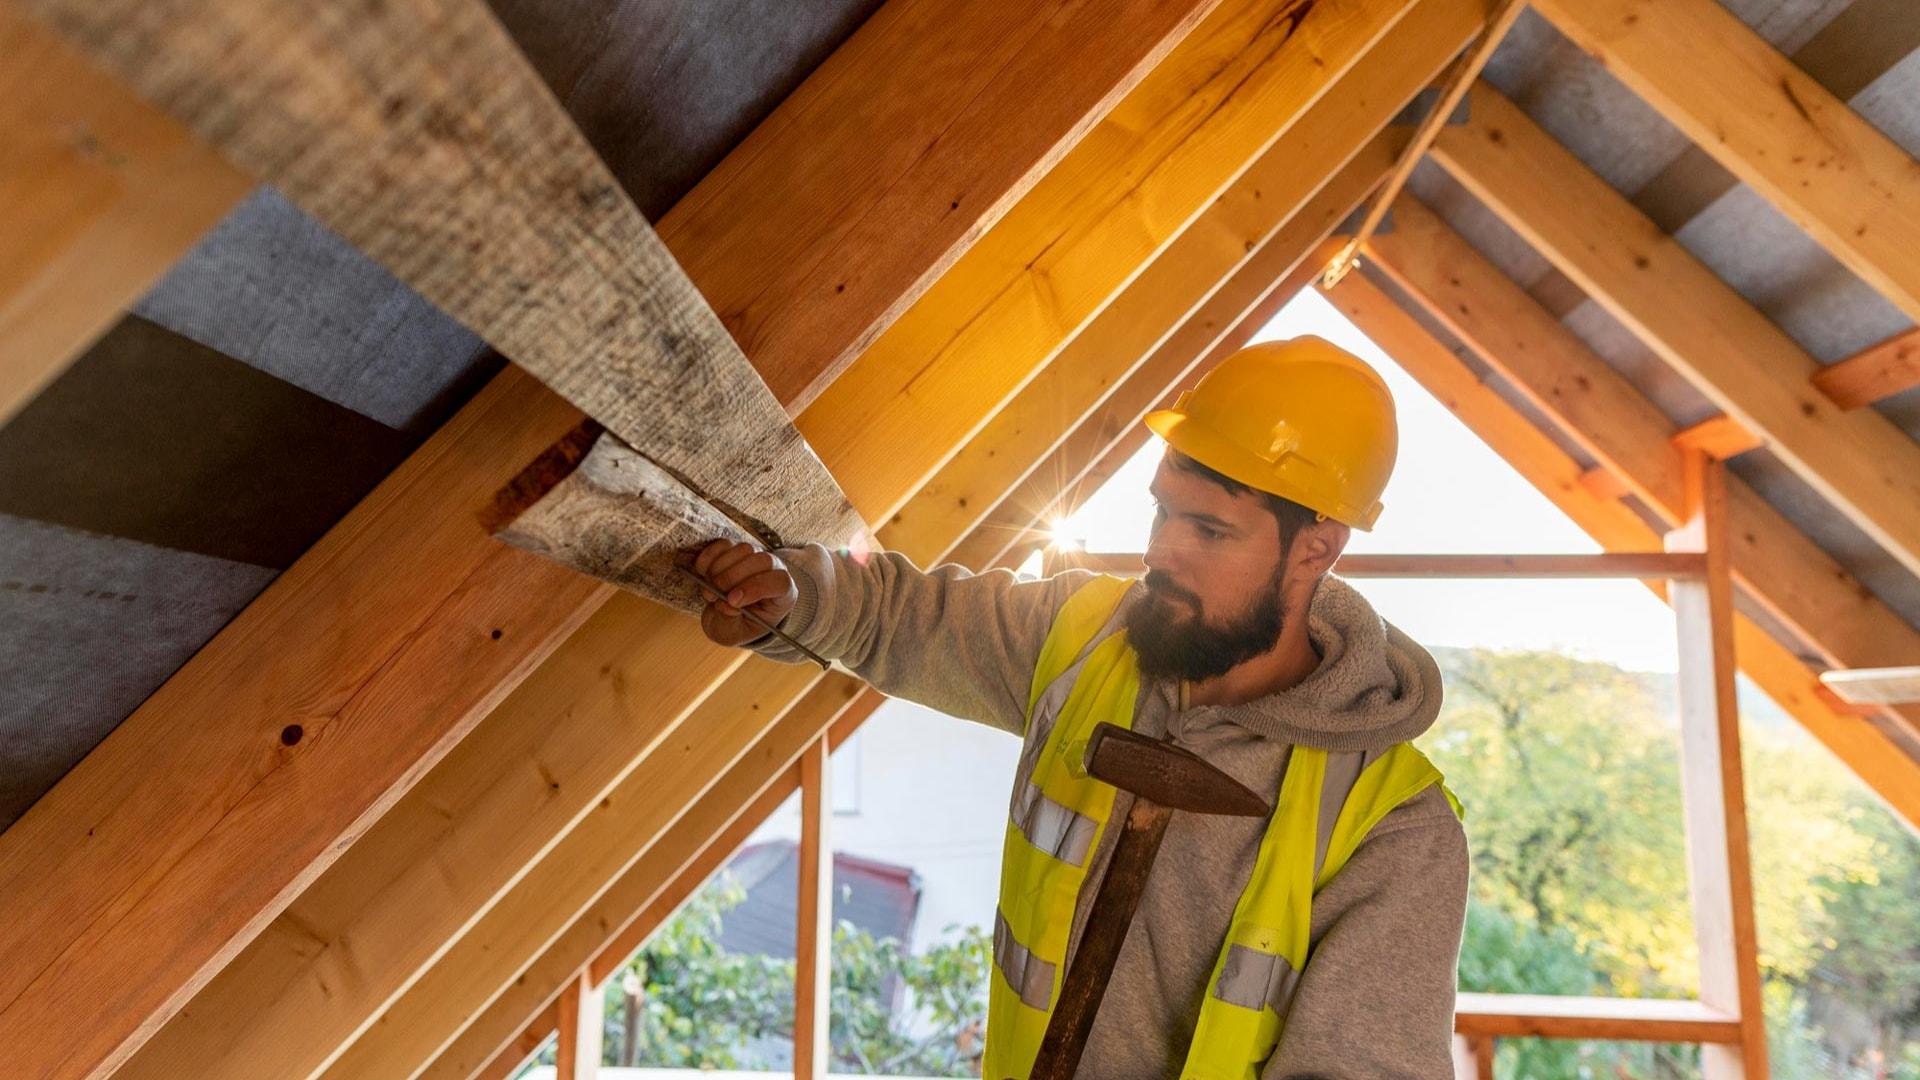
(1159,584)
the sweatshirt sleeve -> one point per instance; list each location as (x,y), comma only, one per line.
(949,639)
(1376,1001)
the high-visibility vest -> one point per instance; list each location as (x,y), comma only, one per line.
(1326,805)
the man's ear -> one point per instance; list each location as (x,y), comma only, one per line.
(1316,547)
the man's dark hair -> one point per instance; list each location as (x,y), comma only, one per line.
(1290,515)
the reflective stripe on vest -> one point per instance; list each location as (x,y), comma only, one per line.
(1327,803)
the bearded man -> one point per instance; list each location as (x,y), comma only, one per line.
(1320,941)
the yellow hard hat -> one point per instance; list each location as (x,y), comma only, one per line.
(1302,419)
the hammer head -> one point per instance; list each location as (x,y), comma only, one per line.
(1167,774)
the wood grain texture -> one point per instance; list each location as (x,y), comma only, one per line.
(632,908)
(1531,1016)
(1713,792)
(1273,190)
(578,1016)
(954,72)
(1859,460)
(354,672)
(420,134)
(1219,100)
(813,934)
(1881,371)
(1774,562)
(1874,756)
(99,194)
(624,520)
(1770,124)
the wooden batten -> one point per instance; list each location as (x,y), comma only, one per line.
(813,939)
(1719,438)
(1873,374)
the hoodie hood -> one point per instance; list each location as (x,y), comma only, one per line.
(1375,686)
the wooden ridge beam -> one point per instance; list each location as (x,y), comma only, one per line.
(1336,130)
(1649,565)
(1695,322)
(1874,373)
(1877,758)
(1238,83)
(99,194)
(1773,561)
(382,612)
(1770,124)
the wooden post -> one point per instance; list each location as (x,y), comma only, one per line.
(1711,779)
(581,1015)
(813,948)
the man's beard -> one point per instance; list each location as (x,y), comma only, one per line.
(1172,641)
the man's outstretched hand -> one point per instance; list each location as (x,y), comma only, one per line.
(752,580)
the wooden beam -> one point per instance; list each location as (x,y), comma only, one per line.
(1720,438)
(952,166)
(1773,561)
(1274,193)
(1472,1057)
(99,194)
(1535,1016)
(579,1017)
(1647,565)
(1873,755)
(1874,373)
(1604,483)
(1875,686)
(1817,161)
(648,893)
(813,940)
(1860,461)
(423,137)
(1221,99)
(1712,788)
(374,625)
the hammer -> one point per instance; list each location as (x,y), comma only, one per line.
(1163,778)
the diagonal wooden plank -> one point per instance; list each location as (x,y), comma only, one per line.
(1773,561)
(956,167)
(607,935)
(1880,761)
(1694,321)
(157,789)
(1222,98)
(1190,269)
(421,134)
(1769,123)
(99,194)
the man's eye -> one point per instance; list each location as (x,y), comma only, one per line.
(1206,533)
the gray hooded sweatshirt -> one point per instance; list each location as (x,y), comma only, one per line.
(1376,999)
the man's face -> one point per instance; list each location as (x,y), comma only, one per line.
(1215,568)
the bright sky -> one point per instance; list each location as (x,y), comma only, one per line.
(1449,493)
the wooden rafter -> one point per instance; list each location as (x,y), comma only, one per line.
(1821,164)
(1595,405)
(1272,193)
(1877,759)
(1651,565)
(1235,86)
(99,194)
(367,618)
(1859,460)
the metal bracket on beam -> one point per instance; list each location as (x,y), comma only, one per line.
(1351,223)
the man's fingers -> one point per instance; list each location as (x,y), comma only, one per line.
(723,573)
(766,585)
(703,561)
(733,574)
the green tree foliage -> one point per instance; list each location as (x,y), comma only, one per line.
(1569,773)
(892,1011)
